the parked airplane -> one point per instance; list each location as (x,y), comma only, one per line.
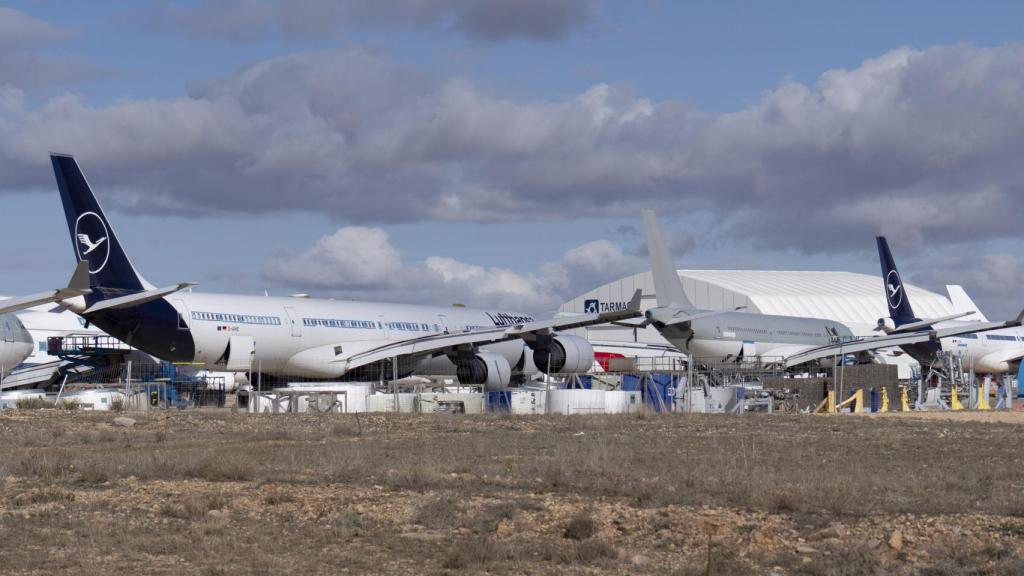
(16,344)
(303,337)
(738,335)
(991,352)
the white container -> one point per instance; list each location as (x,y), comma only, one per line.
(621,401)
(9,399)
(527,401)
(577,401)
(452,403)
(99,400)
(350,396)
(267,403)
(386,403)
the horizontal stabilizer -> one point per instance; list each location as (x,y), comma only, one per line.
(927,323)
(137,299)
(77,286)
(682,316)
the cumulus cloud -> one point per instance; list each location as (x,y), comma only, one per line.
(361,263)
(991,277)
(486,20)
(22,63)
(916,144)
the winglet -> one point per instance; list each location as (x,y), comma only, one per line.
(667,287)
(634,302)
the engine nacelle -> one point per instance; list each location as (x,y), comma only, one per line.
(886,325)
(485,368)
(564,354)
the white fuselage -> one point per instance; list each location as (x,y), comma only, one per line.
(992,352)
(731,334)
(306,337)
(15,343)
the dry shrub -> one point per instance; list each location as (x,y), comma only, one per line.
(594,550)
(855,560)
(194,506)
(489,518)
(581,526)
(349,525)
(476,554)
(221,468)
(33,403)
(52,493)
(439,513)
(279,497)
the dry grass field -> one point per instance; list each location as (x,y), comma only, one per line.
(224,493)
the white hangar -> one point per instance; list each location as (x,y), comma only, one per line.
(856,300)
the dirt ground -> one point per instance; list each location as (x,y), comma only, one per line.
(231,493)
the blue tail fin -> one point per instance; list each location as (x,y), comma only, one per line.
(895,294)
(110,271)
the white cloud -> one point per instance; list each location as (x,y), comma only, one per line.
(353,257)
(914,144)
(22,63)
(360,263)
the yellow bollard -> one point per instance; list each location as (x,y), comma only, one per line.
(983,398)
(885,400)
(857,398)
(831,402)
(904,399)
(954,400)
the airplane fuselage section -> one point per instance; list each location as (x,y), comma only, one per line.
(732,334)
(197,328)
(15,342)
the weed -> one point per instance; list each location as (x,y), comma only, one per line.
(43,495)
(440,513)
(581,526)
(33,403)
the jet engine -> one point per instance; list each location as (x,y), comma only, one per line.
(886,325)
(563,354)
(485,368)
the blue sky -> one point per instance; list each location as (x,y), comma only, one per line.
(718,113)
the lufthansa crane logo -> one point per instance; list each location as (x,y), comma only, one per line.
(92,241)
(893,289)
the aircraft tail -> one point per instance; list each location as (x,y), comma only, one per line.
(111,274)
(895,294)
(666,279)
(963,303)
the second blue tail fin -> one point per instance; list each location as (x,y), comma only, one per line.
(895,294)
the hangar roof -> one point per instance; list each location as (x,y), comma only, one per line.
(847,297)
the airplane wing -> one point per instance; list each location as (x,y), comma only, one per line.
(874,343)
(77,286)
(530,331)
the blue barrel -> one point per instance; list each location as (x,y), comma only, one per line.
(875,406)
(499,401)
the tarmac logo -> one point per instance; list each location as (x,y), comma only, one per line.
(92,242)
(597,307)
(893,289)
